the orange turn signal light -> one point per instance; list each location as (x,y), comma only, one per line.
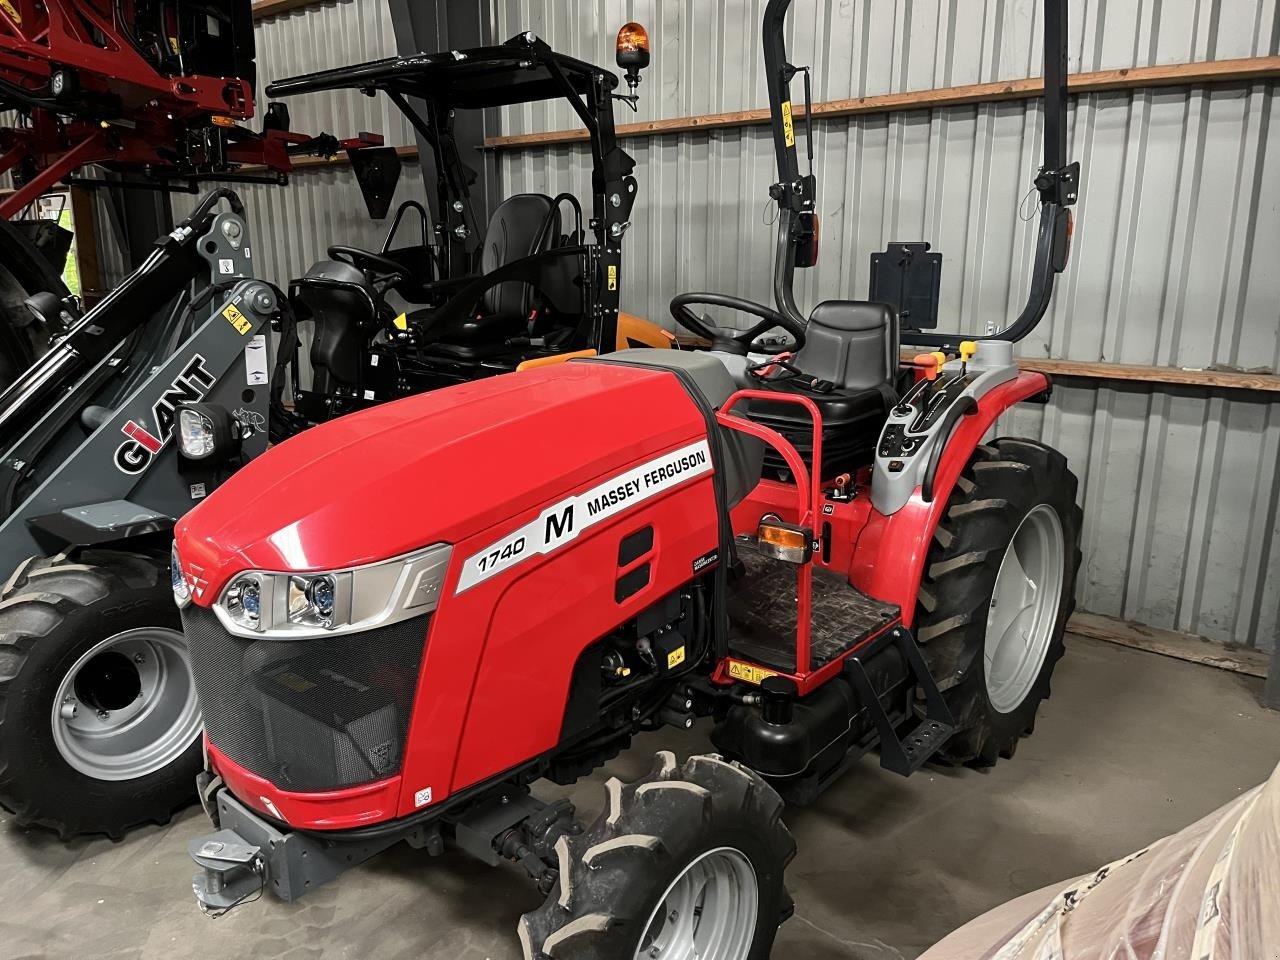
(220,121)
(633,46)
(785,541)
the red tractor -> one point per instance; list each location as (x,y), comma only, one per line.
(401,619)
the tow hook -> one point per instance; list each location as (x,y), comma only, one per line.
(233,871)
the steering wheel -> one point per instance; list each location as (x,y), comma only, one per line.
(364,260)
(735,341)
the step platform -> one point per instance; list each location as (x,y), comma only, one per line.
(763,604)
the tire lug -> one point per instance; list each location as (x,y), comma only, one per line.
(139,658)
(104,715)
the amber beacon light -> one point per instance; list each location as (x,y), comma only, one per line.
(633,55)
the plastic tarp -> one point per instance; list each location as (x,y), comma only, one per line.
(1211,892)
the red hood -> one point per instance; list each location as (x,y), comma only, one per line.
(428,469)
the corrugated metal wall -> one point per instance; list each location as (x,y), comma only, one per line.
(1175,253)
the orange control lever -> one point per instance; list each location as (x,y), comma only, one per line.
(928,362)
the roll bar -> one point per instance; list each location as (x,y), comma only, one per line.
(1057,181)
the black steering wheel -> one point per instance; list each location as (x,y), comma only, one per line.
(373,263)
(736,341)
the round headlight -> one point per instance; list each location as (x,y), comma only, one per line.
(244,601)
(181,591)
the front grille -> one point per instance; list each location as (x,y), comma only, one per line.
(308,715)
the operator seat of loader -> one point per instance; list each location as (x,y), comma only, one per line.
(742,455)
(851,354)
(523,225)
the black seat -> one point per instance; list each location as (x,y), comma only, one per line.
(338,298)
(523,225)
(852,345)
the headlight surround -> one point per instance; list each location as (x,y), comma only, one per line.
(206,431)
(293,605)
(181,589)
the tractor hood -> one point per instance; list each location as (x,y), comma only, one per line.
(436,468)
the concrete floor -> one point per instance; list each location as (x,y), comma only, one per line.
(1132,746)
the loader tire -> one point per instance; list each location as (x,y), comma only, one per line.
(675,857)
(99,727)
(1012,491)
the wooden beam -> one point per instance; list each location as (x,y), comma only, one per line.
(1258,382)
(1171,643)
(1101,81)
(1137,373)
(273,8)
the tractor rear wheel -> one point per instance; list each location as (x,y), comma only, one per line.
(99,724)
(684,864)
(998,587)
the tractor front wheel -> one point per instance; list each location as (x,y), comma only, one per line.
(99,724)
(684,864)
(998,588)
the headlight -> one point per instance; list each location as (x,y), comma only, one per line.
(181,592)
(206,431)
(293,606)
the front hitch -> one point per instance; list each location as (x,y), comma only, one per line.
(249,855)
(233,871)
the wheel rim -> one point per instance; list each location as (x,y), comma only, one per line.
(127,708)
(1024,608)
(707,913)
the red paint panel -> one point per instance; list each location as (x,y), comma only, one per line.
(329,810)
(888,560)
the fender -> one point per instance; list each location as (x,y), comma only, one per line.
(888,561)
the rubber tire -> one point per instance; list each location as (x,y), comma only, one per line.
(600,906)
(999,486)
(51,611)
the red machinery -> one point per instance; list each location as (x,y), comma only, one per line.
(159,86)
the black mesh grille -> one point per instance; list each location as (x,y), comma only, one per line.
(308,715)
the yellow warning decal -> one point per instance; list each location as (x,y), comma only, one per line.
(237,319)
(11,12)
(613,277)
(675,657)
(788,128)
(402,322)
(749,672)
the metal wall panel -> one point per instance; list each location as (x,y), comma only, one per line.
(1174,254)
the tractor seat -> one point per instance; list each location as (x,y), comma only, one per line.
(853,345)
(523,225)
(338,298)
(743,454)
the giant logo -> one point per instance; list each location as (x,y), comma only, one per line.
(141,446)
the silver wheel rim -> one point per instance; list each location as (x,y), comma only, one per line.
(127,708)
(1024,608)
(707,913)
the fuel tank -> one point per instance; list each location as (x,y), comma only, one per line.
(440,467)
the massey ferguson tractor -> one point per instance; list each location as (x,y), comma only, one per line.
(402,618)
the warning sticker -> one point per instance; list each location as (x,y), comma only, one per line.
(675,658)
(559,524)
(788,127)
(237,319)
(11,12)
(255,361)
(613,277)
(749,672)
